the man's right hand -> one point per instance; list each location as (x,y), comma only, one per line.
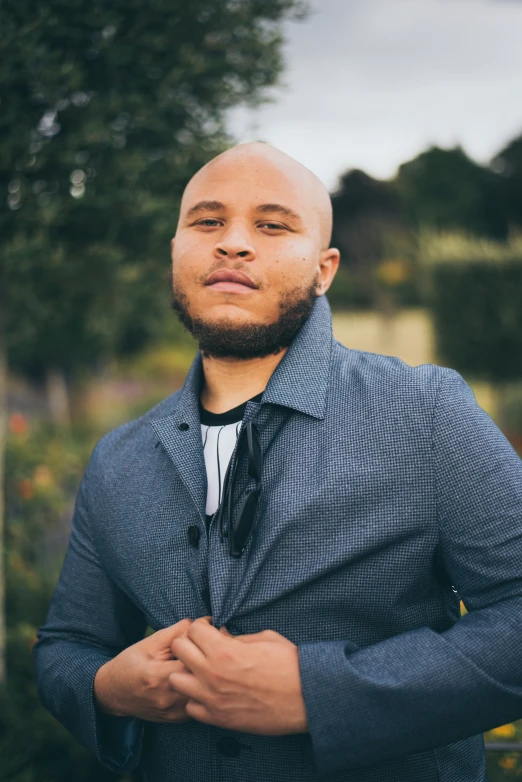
(135,683)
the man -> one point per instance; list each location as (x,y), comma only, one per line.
(306,605)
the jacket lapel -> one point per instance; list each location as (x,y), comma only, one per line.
(184,445)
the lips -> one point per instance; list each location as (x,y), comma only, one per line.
(227,275)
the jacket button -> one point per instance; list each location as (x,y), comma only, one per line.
(193,535)
(183,426)
(228,747)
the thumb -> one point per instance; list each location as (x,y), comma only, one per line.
(182,628)
(163,638)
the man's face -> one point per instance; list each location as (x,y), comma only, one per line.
(249,216)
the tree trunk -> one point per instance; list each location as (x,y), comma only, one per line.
(58,398)
(3,428)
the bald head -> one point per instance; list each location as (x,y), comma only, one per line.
(261,164)
(251,252)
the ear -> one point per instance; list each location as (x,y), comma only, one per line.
(328,265)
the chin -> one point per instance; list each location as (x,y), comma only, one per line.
(227,311)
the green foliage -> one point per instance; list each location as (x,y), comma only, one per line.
(446,190)
(478,319)
(376,244)
(379,224)
(44,470)
(34,747)
(473,289)
(346,292)
(508,164)
(458,247)
(115,104)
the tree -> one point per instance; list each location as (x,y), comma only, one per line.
(508,164)
(443,189)
(473,290)
(108,107)
(371,230)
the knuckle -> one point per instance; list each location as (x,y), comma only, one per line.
(225,655)
(164,702)
(190,630)
(148,680)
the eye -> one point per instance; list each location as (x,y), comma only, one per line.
(273,226)
(211,222)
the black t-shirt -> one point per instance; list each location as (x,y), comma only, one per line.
(228,417)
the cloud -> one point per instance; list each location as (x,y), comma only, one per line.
(372,82)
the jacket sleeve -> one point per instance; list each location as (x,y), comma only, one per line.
(421,689)
(90,621)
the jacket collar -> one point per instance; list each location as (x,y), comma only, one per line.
(299,382)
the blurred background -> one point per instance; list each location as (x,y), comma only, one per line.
(410,113)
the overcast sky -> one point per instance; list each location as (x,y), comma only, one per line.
(371,83)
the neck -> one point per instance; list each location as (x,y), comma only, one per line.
(229,381)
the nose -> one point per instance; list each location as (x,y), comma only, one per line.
(235,243)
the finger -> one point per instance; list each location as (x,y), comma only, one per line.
(189,653)
(205,636)
(188,685)
(163,638)
(199,712)
(173,666)
(207,619)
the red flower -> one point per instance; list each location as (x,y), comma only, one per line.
(17,424)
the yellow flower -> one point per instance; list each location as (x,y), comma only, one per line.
(508,763)
(504,732)
(393,271)
(42,477)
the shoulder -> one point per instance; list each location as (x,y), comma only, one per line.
(386,381)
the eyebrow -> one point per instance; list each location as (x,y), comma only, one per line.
(214,206)
(284,210)
(205,206)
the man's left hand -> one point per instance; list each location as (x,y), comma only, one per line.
(249,683)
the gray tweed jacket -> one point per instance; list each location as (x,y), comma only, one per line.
(387,495)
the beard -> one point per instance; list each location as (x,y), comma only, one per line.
(226,339)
